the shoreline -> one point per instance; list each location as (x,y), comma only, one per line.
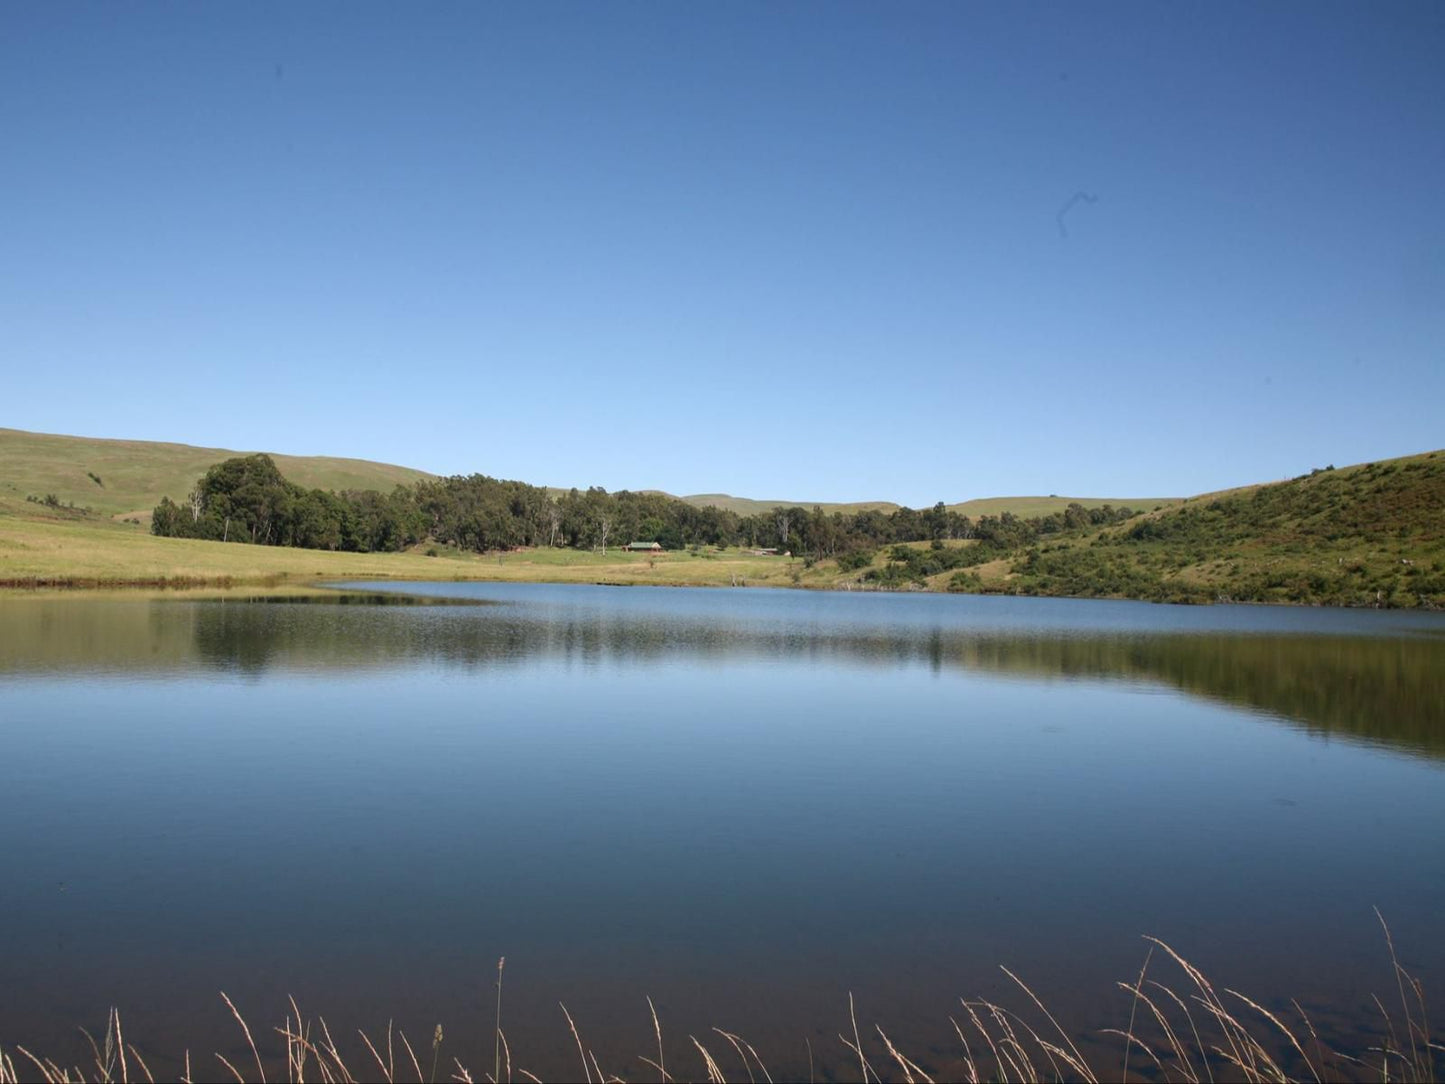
(1016,1037)
(304,585)
(62,554)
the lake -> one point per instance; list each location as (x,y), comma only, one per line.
(743,804)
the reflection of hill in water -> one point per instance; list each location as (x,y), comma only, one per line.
(1382,690)
(1389,692)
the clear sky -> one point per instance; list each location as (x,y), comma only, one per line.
(816,252)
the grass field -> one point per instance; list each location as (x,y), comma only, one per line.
(135,474)
(41,546)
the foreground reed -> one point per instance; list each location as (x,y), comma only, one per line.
(1191,1032)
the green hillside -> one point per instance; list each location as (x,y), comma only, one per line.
(135,474)
(131,476)
(1026,507)
(1367,535)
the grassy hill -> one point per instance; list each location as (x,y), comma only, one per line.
(131,476)
(1372,534)
(1028,507)
(42,546)
(1367,535)
(983,506)
(746,506)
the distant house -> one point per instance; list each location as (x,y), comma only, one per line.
(643,547)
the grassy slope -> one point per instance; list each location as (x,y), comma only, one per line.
(1027,507)
(746,506)
(40,546)
(1363,535)
(138,473)
(1366,535)
(983,506)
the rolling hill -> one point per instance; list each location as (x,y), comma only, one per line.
(1367,535)
(981,506)
(747,506)
(1026,507)
(135,474)
(129,477)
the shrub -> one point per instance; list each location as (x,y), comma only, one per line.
(853,561)
(965,580)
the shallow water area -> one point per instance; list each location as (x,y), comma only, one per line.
(744,804)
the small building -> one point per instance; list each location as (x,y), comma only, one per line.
(643,547)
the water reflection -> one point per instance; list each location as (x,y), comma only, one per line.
(744,804)
(1383,689)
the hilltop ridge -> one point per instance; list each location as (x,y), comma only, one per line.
(1372,534)
(129,477)
(135,474)
(1365,535)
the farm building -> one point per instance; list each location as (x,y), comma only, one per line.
(643,547)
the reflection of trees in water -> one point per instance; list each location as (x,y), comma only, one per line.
(1381,690)
(226,638)
(1390,691)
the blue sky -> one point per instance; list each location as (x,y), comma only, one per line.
(804,251)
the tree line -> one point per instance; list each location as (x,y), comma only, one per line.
(247,499)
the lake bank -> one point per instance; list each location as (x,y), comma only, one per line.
(42,548)
(85,553)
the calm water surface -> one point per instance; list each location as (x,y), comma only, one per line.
(744,804)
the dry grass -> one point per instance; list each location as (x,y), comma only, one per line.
(135,474)
(60,550)
(1190,1032)
(54,549)
(1027,507)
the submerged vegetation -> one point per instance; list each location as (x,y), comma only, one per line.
(1185,1029)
